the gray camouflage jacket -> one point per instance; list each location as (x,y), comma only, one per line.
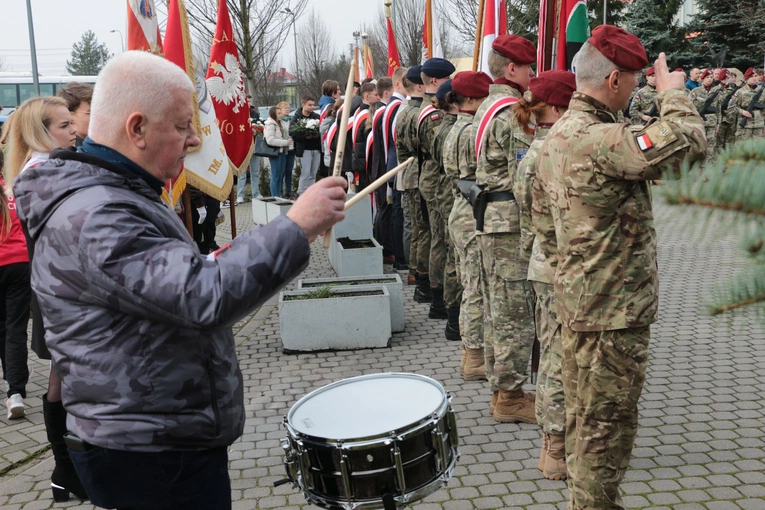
(138,322)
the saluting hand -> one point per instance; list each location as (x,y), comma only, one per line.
(664,79)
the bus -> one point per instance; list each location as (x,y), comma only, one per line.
(15,88)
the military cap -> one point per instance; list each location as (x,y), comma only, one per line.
(413,74)
(748,73)
(620,47)
(679,70)
(471,84)
(650,72)
(516,48)
(554,87)
(437,68)
(707,72)
(444,89)
(723,74)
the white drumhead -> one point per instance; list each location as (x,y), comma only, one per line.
(366,406)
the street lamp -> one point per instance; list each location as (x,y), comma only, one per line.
(122,39)
(297,68)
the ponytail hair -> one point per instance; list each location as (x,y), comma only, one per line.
(523,111)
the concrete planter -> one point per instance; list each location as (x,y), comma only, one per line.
(277,208)
(357,261)
(259,209)
(358,221)
(392,282)
(352,318)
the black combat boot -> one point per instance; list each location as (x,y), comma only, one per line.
(452,331)
(438,307)
(423,294)
(64,478)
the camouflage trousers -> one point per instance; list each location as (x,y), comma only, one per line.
(603,376)
(468,258)
(437,259)
(407,229)
(452,286)
(726,135)
(508,311)
(419,251)
(551,399)
(711,140)
(749,133)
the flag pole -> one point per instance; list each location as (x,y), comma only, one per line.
(478,34)
(232,206)
(187,211)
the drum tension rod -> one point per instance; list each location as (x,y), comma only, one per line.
(282,482)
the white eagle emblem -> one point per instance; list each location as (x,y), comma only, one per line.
(229,86)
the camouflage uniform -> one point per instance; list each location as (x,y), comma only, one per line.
(406,147)
(429,177)
(459,163)
(699,96)
(642,104)
(594,174)
(755,127)
(726,133)
(509,303)
(550,402)
(445,201)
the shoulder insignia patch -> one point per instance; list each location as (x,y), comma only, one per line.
(435,116)
(519,155)
(644,142)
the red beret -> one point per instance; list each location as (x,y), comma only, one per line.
(516,48)
(471,84)
(679,70)
(723,74)
(650,71)
(748,74)
(706,73)
(554,87)
(620,47)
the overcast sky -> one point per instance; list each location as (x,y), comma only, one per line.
(58,24)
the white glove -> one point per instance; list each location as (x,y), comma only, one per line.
(202,214)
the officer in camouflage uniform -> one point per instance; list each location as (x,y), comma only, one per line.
(435,71)
(550,95)
(707,100)
(594,173)
(469,89)
(508,297)
(755,121)
(643,102)
(445,201)
(726,133)
(407,145)
(137,320)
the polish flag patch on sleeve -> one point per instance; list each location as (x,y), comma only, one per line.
(644,142)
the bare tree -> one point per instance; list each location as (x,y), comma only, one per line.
(316,53)
(522,19)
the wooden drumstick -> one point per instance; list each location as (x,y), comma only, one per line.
(342,134)
(380,181)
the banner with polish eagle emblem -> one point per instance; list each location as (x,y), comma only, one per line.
(225,82)
(143,27)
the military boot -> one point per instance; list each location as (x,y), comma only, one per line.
(493,404)
(463,360)
(452,331)
(412,277)
(543,453)
(555,459)
(514,407)
(438,307)
(423,294)
(475,368)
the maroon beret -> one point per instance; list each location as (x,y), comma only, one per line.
(679,70)
(620,47)
(554,87)
(723,74)
(650,72)
(516,48)
(471,84)
(748,74)
(707,72)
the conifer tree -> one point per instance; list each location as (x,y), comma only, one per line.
(88,57)
(653,21)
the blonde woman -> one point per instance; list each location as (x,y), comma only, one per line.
(39,126)
(284,117)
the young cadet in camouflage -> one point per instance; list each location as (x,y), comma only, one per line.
(406,147)
(508,298)
(469,89)
(445,201)
(700,95)
(435,71)
(594,173)
(755,121)
(137,321)
(644,101)
(550,95)
(726,133)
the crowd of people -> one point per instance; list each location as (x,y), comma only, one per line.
(526,213)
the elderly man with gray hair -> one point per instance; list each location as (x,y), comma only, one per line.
(592,213)
(138,321)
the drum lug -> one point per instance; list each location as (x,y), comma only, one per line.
(290,461)
(344,470)
(451,418)
(400,480)
(438,440)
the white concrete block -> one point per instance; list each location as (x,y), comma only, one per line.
(358,220)
(344,321)
(259,205)
(277,208)
(358,261)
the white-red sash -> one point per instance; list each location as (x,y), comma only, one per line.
(359,119)
(324,112)
(333,130)
(423,114)
(495,107)
(329,135)
(371,136)
(388,129)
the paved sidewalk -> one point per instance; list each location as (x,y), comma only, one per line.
(702,424)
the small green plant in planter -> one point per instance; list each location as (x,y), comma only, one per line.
(319,293)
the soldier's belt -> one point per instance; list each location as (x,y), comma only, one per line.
(480,201)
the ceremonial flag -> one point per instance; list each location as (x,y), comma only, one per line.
(494,25)
(431,38)
(543,37)
(225,83)
(573,31)
(369,67)
(360,74)
(205,167)
(394,62)
(142,27)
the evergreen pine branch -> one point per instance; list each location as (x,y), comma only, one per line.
(743,290)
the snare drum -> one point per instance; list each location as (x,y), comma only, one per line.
(373,441)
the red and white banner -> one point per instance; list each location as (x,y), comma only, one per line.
(143,27)
(225,82)
(431,35)
(394,61)
(494,25)
(496,107)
